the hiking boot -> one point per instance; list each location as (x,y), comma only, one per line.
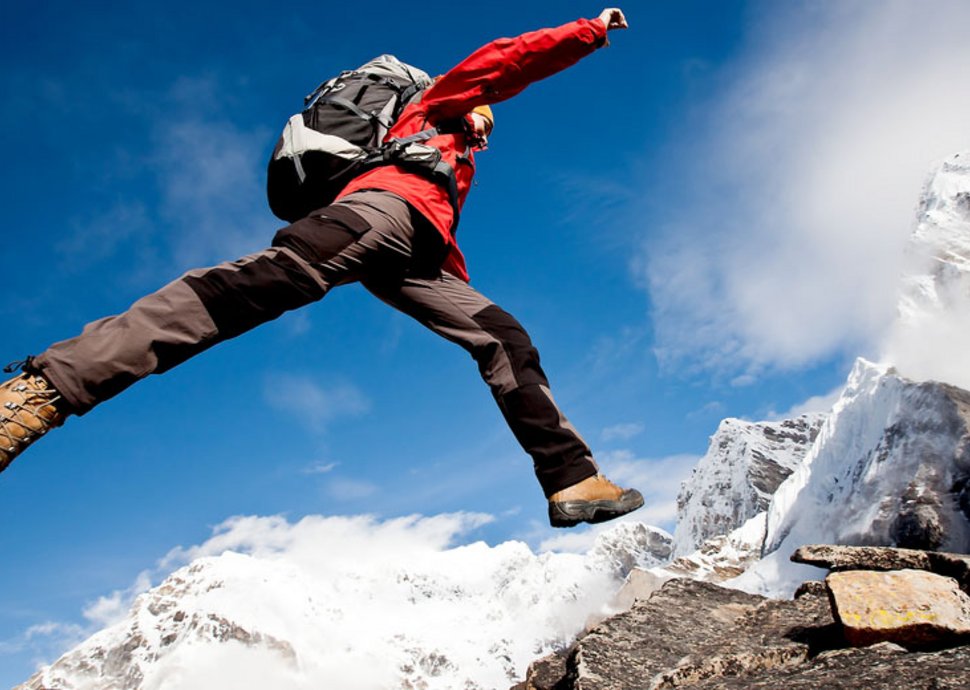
(28,410)
(593,500)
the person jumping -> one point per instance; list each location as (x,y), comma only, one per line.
(392,230)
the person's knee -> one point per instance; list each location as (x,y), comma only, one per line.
(509,356)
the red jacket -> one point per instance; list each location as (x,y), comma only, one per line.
(492,73)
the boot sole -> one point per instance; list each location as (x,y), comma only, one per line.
(572,513)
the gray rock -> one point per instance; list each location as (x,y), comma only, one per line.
(549,673)
(689,631)
(919,523)
(839,558)
(812,587)
(701,636)
(638,586)
(861,557)
(879,667)
(915,608)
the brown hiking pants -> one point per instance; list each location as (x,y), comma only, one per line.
(370,236)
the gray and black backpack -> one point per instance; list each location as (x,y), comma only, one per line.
(339,134)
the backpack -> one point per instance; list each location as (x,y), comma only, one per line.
(340,133)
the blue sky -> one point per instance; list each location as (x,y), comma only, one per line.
(704,220)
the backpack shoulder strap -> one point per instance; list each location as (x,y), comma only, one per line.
(424,160)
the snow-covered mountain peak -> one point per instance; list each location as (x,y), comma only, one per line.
(734,481)
(945,207)
(630,545)
(335,602)
(931,335)
(890,466)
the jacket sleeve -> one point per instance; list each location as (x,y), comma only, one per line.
(504,67)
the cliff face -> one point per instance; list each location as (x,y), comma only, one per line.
(890,468)
(890,465)
(744,465)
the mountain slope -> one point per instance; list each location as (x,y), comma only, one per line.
(327,606)
(734,481)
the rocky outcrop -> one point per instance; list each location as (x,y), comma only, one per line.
(839,558)
(693,634)
(688,632)
(880,667)
(914,608)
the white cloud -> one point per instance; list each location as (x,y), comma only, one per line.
(359,536)
(805,177)
(816,403)
(109,610)
(933,348)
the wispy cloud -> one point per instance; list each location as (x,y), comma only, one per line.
(196,182)
(320,468)
(46,640)
(816,403)
(804,176)
(622,432)
(43,640)
(312,404)
(209,173)
(110,609)
(346,489)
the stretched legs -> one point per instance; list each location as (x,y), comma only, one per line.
(368,236)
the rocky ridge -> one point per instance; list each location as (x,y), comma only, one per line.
(724,638)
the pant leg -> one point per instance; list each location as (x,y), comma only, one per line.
(509,364)
(370,232)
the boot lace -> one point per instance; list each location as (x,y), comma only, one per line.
(28,414)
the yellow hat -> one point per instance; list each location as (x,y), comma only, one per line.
(485,112)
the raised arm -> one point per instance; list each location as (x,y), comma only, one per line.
(504,67)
